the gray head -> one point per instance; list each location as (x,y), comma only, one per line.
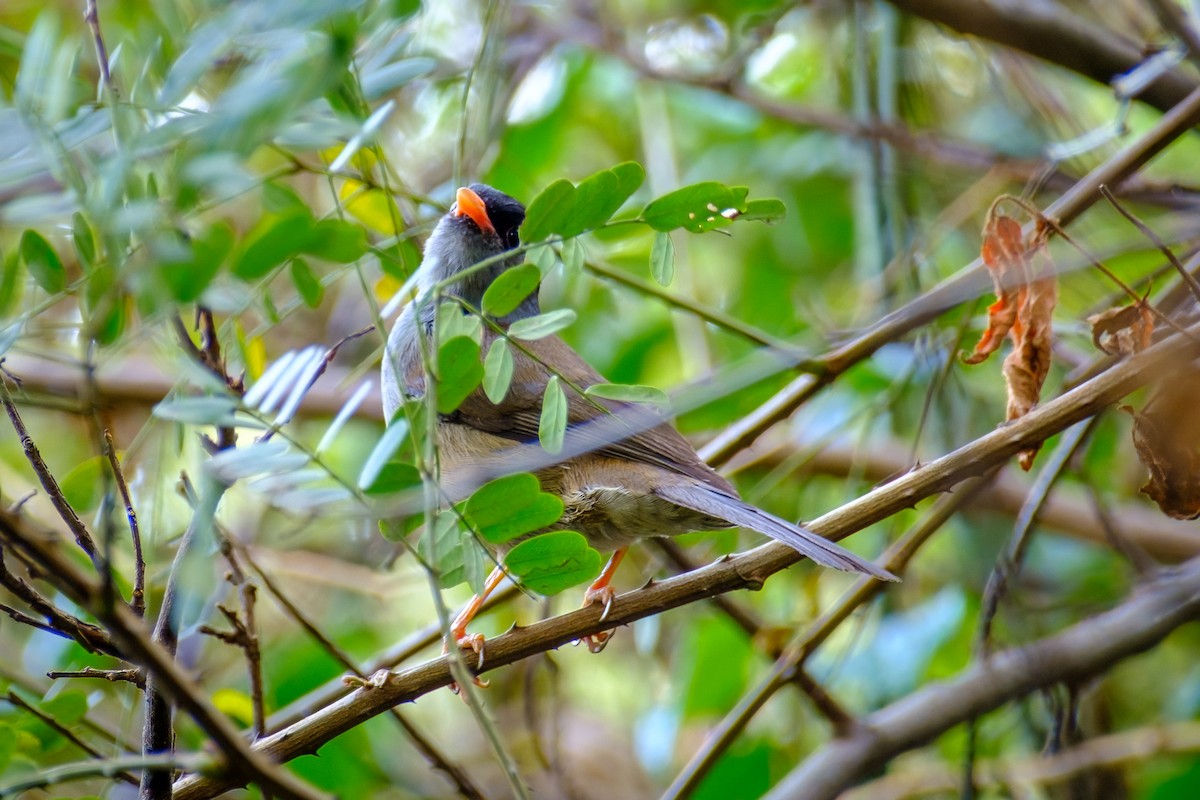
(482,223)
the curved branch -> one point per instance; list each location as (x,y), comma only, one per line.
(1078,653)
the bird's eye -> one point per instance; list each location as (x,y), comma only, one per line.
(511,238)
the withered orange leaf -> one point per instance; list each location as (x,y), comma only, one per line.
(1166,435)
(1023,312)
(1123,330)
(1003,254)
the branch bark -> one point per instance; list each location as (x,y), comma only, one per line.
(1078,653)
(748,570)
(1050,32)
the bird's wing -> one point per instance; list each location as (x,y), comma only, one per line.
(632,432)
(715,503)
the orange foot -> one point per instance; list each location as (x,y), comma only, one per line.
(599,595)
(471,642)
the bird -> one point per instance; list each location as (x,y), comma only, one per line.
(616,490)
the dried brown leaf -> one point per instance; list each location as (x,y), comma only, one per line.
(1123,330)
(1023,312)
(1166,435)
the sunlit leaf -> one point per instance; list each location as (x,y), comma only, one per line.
(552,425)
(698,208)
(211,410)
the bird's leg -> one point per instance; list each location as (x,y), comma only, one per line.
(602,592)
(458,628)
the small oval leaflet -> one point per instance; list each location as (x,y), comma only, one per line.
(542,325)
(510,289)
(43,263)
(552,562)
(459,372)
(662,259)
(497,371)
(552,424)
(629,393)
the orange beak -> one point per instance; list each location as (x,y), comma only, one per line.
(471,205)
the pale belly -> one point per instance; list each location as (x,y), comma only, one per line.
(611,502)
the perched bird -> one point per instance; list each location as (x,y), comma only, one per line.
(624,488)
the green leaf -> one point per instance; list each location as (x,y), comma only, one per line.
(552,425)
(497,371)
(512,506)
(43,263)
(510,289)
(67,708)
(189,274)
(599,196)
(83,485)
(662,258)
(698,208)
(542,325)
(552,562)
(493,500)
(310,289)
(629,393)
(543,258)
(274,240)
(769,210)
(396,476)
(548,211)
(572,256)
(85,241)
(459,372)
(454,320)
(336,240)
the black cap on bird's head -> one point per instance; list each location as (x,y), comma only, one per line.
(483,223)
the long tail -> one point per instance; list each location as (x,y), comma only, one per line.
(711,501)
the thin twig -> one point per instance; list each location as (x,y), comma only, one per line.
(82,537)
(64,732)
(1188,278)
(90,637)
(134,676)
(138,600)
(92,16)
(129,633)
(106,768)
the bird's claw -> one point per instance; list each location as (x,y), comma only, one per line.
(473,642)
(598,595)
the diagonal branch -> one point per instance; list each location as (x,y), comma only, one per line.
(748,570)
(1078,653)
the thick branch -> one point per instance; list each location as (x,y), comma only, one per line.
(1078,653)
(748,570)
(1050,32)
